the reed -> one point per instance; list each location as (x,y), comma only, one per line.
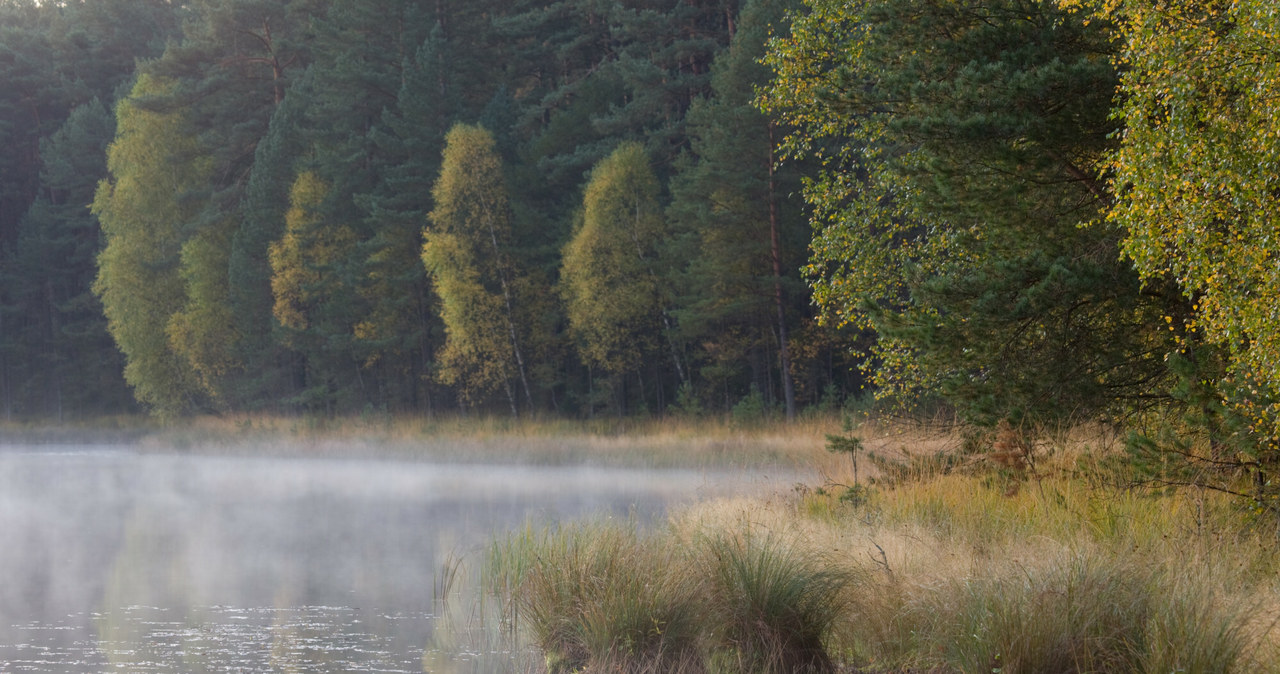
(650,442)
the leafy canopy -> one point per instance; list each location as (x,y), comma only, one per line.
(961,146)
(1195,175)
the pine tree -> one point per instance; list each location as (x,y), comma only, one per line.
(964,147)
(74,366)
(742,285)
(61,62)
(268,368)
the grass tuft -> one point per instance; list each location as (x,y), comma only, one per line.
(944,571)
(776,604)
(601,597)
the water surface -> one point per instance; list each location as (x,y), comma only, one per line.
(117,560)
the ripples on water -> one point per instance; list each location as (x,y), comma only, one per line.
(303,639)
(115,561)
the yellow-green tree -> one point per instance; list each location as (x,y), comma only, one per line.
(304,259)
(1196,172)
(468,254)
(962,145)
(311,290)
(1196,196)
(203,332)
(613,293)
(154,164)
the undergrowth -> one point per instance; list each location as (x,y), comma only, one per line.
(949,572)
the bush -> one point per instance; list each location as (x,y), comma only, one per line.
(751,410)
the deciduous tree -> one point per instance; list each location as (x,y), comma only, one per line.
(1194,178)
(473,272)
(963,146)
(155,166)
(614,291)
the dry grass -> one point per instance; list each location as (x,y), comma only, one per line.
(960,576)
(604,597)
(649,442)
(955,571)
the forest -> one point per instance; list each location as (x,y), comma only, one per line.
(1028,212)
(222,206)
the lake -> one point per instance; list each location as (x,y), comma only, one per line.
(115,559)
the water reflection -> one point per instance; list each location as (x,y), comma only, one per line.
(114,560)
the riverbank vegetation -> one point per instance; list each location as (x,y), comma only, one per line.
(320,210)
(1033,214)
(932,567)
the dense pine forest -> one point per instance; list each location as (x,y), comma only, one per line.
(1034,213)
(223,205)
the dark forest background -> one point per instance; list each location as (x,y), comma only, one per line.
(221,205)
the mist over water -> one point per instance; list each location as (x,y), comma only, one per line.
(113,559)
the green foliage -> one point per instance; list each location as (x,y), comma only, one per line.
(154,165)
(687,403)
(359,95)
(63,334)
(848,443)
(751,409)
(203,332)
(1193,177)
(266,378)
(741,240)
(63,67)
(1209,442)
(962,146)
(613,294)
(303,261)
(467,252)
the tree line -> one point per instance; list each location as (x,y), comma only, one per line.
(324,206)
(1053,212)
(1036,212)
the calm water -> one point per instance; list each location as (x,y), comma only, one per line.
(118,561)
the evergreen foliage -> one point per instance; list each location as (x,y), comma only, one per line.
(950,154)
(744,245)
(963,148)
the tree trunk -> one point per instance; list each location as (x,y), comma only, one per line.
(511,324)
(775,250)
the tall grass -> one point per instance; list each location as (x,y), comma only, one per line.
(1076,613)
(659,442)
(603,597)
(774,604)
(954,573)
